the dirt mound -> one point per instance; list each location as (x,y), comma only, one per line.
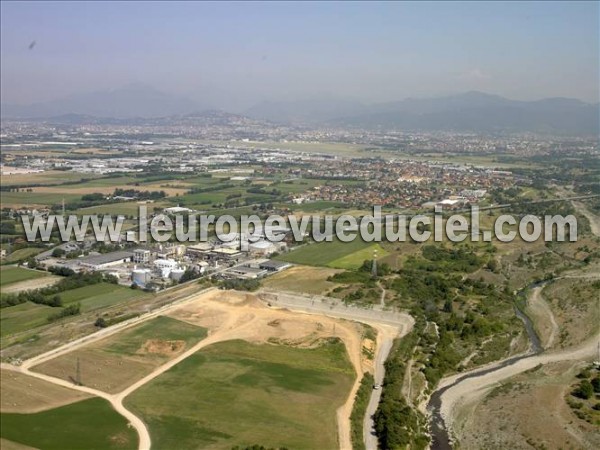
(160,347)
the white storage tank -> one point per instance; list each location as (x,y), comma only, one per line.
(176,274)
(141,277)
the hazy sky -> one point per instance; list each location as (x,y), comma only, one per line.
(232,55)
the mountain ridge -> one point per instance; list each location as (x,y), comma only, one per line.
(472,111)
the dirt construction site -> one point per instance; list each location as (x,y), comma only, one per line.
(225,315)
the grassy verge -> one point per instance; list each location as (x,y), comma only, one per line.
(361,401)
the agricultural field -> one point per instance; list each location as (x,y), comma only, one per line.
(12,274)
(116,362)
(100,295)
(236,393)
(27,316)
(21,254)
(29,199)
(90,423)
(356,259)
(23,317)
(101,182)
(302,279)
(25,394)
(49,177)
(105,186)
(318,206)
(335,254)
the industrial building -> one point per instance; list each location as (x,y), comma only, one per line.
(247,272)
(274,266)
(103,261)
(141,256)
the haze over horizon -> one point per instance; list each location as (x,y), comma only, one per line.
(233,56)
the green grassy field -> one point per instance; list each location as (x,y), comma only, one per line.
(356,259)
(25,316)
(44,178)
(14,199)
(102,182)
(318,206)
(336,254)
(100,295)
(161,327)
(91,424)
(13,274)
(22,254)
(114,363)
(237,393)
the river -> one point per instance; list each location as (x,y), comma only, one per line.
(440,440)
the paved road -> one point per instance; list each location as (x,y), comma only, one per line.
(398,324)
(383,350)
(384,345)
(336,308)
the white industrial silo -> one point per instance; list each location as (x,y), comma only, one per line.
(141,277)
(176,274)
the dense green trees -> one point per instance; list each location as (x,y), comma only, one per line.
(361,401)
(71,310)
(49,295)
(397,424)
(585,390)
(241,285)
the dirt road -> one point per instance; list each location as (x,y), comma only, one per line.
(543,318)
(115,400)
(389,324)
(105,332)
(233,315)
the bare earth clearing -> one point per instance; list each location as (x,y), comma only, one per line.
(541,314)
(232,315)
(475,389)
(528,408)
(36,283)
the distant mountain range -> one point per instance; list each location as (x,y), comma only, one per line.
(135,100)
(471,111)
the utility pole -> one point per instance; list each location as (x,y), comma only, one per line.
(374,264)
(78,376)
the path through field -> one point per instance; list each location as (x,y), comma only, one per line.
(244,317)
